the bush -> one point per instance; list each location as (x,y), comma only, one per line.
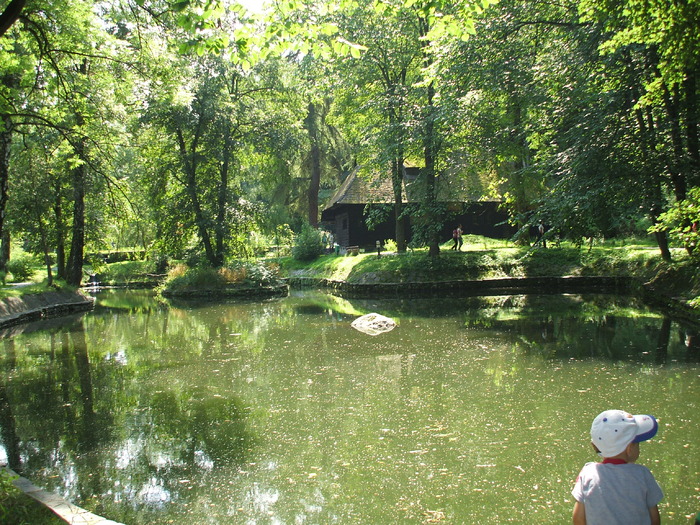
(308,244)
(681,221)
(390,246)
(22,267)
(182,277)
(255,273)
(124,272)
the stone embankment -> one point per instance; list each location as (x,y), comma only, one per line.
(33,307)
(525,285)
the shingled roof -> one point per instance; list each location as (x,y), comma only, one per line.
(357,189)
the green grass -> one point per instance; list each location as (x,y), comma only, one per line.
(125,272)
(483,258)
(18,508)
(480,258)
(14,290)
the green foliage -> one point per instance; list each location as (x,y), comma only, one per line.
(242,273)
(182,277)
(390,246)
(308,245)
(22,267)
(682,221)
(20,509)
(126,271)
(376,214)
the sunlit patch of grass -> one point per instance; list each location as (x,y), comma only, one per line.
(124,271)
(34,288)
(483,258)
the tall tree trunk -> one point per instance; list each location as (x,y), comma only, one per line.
(5,147)
(396,133)
(45,249)
(4,249)
(429,154)
(199,218)
(190,169)
(60,232)
(74,271)
(222,202)
(660,236)
(678,180)
(645,123)
(311,123)
(429,212)
(397,184)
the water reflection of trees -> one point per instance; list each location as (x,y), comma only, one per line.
(177,400)
(572,326)
(86,428)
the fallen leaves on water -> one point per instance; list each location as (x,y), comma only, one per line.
(434,516)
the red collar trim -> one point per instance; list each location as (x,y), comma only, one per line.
(614,461)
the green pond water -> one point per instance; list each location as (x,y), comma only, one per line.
(472,410)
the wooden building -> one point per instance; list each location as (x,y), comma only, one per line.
(464,198)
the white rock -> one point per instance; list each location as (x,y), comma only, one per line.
(373,324)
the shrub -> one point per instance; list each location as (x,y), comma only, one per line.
(308,244)
(22,267)
(390,246)
(257,273)
(682,221)
(181,277)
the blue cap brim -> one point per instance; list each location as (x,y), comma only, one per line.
(649,427)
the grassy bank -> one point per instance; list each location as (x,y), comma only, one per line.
(480,258)
(485,259)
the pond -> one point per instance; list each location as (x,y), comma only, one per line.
(279,412)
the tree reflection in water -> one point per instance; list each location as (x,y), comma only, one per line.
(279,410)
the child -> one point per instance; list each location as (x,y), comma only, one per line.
(616,491)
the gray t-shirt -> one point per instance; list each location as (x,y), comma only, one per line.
(617,494)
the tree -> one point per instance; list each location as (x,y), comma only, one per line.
(65,70)
(663,100)
(387,70)
(9,16)
(203,132)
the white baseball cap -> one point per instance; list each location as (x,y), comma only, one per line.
(613,430)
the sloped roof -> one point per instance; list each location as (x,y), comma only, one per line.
(357,189)
(450,187)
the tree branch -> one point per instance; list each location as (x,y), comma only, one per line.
(10,15)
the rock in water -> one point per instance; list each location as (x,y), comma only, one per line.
(373,324)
